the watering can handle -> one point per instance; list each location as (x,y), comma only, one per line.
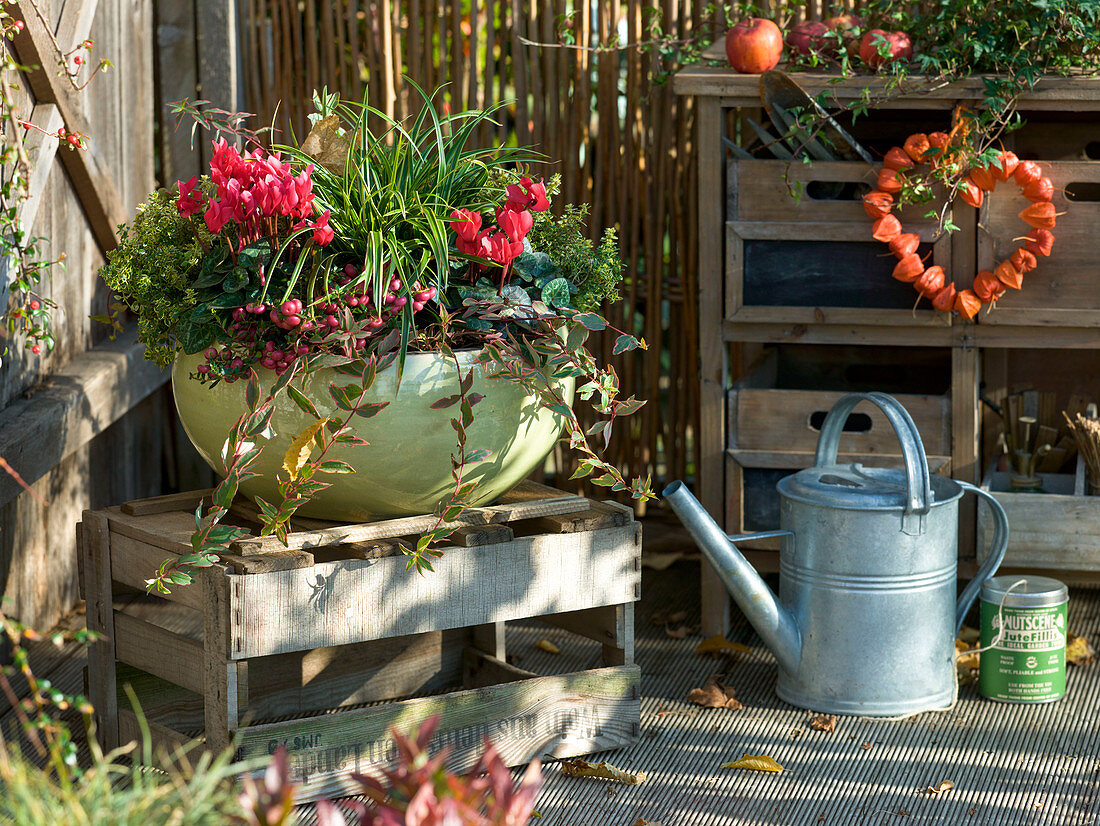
(916,467)
(992,562)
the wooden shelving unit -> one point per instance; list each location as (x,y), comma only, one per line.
(747,214)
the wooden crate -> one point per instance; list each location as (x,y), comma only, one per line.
(810,259)
(773,425)
(1063,291)
(1058,530)
(324,645)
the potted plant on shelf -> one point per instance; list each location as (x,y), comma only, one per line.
(372,325)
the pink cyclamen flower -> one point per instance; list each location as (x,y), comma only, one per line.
(501,250)
(189,201)
(466,224)
(515,224)
(322,232)
(536,191)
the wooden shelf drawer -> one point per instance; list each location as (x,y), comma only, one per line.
(799,248)
(1063,290)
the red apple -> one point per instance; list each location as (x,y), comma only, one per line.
(754,46)
(899,45)
(844,30)
(807,37)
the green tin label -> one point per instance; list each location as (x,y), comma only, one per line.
(1028,664)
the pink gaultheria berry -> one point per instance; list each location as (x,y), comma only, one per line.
(210,353)
(203,368)
(353,301)
(288,308)
(351,270)
(307,325)
(395,284)
(237,363)
(417,306)
(399,302)
(388,298)
(332,321)
(375,323)
(303,349)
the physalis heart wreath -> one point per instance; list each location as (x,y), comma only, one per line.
(931,282)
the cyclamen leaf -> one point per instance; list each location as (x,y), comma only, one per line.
(300,399)
(298,453)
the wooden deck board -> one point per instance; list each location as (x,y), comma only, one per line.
(1011,764)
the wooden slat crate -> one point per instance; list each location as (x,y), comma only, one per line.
(1063,290)
(325,645)
(1056,530)
(799,248)
(775,414)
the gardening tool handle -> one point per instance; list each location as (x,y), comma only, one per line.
(916,466)
(992,562)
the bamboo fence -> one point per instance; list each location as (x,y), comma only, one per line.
(622,143)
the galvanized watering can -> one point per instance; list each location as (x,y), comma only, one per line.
(866,618)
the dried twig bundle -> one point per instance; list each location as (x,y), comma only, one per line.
(1086,432)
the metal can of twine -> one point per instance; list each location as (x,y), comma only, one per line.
(1026,627)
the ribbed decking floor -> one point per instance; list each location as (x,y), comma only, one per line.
(1011,764)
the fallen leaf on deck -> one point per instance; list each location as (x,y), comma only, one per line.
(641,821)
(969,635)
(718,644)
(757,763)
(660,562)
(1079,651)
(714,694)
(866,745)
(582,768)
(548,647)
(677,633)
(966,664)
(678,616)
(823,722)
(942,786)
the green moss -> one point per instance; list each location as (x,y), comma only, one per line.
(152,270)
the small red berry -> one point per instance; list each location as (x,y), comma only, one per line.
(34,304)
(36,349)
(88,44)
(18,25)
(78,60)
(74,140)
(61,132)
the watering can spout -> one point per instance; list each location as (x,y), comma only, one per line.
(773,622)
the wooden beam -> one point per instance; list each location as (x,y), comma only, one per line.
(73,406)
(87,168)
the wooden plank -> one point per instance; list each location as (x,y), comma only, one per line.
(74,405)
(172,657)
(133,562)
(221,706)
(713,355)
(964,433)
(559,716)
(1055,530)
(91,178)
(1059,93)
(347,534)
(337,602)
(799,331)
(41,149)
(595,518)
(770,419)
(102,691)
(480,669)
(611,625)
(168,742)
(797,459)
(186,501)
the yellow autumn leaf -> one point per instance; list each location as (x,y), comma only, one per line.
(718,643)
(756,763)
(298,453)
(548,647)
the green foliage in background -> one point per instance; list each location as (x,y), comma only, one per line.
(596,270)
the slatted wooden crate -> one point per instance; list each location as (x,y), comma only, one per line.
(776,411)
(799,248)
(324,645)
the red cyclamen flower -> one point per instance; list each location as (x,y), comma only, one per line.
(515,224)
(501,250)
(189,201)
(527,194)
(466,224)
